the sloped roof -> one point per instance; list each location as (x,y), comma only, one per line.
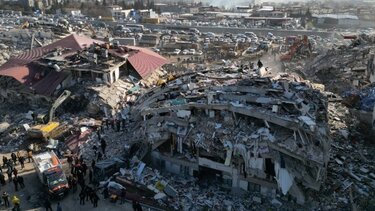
(18,67)
(145,61)
(23,70)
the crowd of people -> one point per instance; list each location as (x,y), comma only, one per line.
(77,178)
(10,164)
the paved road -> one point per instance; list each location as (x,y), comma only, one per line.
(31,196)
(259,32)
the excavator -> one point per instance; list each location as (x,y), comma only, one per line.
(49,128)
(294,48)
(162,82)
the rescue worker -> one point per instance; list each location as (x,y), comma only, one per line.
(47,204)
(5,197)
(5,161)
(14,158)
(82,198)
(260,64)
(2,179)
(95,199)
(16,203)
(58,207)
(15,181)
(22,161)
(15,172)
(20,181)
(30,155)
(9,172)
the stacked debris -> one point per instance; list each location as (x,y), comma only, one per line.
(350,176)
(343,67)
(249,126)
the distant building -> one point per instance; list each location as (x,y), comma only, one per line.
(343,20)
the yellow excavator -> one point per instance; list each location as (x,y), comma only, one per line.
(50,128)
(162,82)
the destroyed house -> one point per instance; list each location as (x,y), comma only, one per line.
(253,133)
(40,74)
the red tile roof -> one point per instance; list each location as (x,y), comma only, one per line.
(21,68)
(145,61)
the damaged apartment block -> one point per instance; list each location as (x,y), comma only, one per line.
(243,132)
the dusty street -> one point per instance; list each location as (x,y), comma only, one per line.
(32,195)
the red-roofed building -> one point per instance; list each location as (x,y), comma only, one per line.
(44,71)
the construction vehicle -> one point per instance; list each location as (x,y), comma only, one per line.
(49,170)
(49,128)
(296,46)
(163,82)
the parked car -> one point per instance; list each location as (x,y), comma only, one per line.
(199,52)
(191,52)
(175,52)
(185,52)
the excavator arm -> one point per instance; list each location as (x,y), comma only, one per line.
(57,103)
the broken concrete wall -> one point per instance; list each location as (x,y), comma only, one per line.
(245,128)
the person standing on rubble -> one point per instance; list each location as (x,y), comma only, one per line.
(21,159)
(15,172)
(2,179)
(260,64)
(103,145)
(9,172)
(5,161)
(30,155)
(14,158)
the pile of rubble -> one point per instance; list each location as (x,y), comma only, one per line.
(350,175)
(250,126)
(343,67)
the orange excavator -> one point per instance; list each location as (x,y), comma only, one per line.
(294,48)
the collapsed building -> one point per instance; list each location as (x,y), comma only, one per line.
(41,74)
(252,133)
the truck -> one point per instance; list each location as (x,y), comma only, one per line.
(50,172)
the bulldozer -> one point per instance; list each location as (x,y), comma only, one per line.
(49,128)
